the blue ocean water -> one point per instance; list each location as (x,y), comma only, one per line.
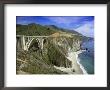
(87,57)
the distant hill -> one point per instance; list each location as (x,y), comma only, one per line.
(37,29)
(33,29)
(52,26)
(62,29)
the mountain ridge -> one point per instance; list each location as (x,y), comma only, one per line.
(52,28)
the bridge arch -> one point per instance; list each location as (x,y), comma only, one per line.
(26,42)
(33,43)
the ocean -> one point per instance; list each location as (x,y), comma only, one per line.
(86,58)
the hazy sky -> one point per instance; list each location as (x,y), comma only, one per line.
(81,24)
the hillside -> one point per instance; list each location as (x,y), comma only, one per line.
(37,29)
(34,29)
(55,49)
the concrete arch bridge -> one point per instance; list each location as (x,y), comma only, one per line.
(24,42)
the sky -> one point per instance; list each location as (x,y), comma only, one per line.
(81,24)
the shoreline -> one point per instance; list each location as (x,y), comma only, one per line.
(78,61)
(76,68)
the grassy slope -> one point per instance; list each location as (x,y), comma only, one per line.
(33,29)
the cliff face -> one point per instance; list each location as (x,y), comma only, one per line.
(68,43)
(59,48)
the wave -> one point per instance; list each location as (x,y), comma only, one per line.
(81,66)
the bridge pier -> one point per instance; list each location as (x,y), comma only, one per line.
(18,43)
(23,43)
(41,40)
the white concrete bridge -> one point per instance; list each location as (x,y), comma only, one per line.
(24,42)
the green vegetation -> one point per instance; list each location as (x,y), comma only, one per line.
(56,57)
(38,62)
(33,29)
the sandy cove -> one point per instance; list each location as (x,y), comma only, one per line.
(76,68)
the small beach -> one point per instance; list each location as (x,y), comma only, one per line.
(76,68)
